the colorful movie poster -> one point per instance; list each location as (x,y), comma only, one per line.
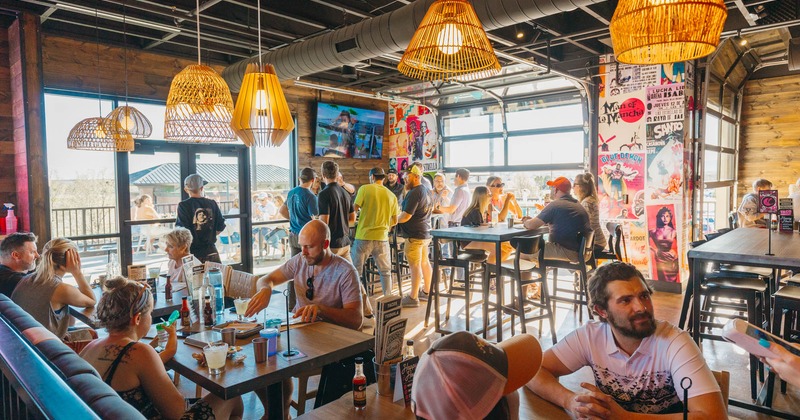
(621,185)
(665,161)
(673,73)
(665,103)
(621,124)
(663,237)
(413,135)
(636,243)
(623,79)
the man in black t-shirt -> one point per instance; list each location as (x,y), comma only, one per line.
(336,210)
(393,183)
(415,222)
(202,217)
(18,256)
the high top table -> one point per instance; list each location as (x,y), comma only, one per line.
(497,235)
(748,247)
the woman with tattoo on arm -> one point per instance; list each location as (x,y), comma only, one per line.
(133,368)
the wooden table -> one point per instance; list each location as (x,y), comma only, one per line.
(161,307)
(322,342)
(379,407)
(497,235)
(742,246)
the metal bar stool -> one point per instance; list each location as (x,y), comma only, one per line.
(579,297)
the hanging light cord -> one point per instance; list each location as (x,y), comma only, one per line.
(259,35)
(125,48)
(197,12)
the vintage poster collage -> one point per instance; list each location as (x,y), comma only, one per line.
(641,162)
(413,136)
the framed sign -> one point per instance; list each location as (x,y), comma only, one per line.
(768,201)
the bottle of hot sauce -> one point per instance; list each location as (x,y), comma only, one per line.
(186,315)
(208,312)
(168,289)
(359,386)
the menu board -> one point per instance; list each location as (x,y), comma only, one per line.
(403,381)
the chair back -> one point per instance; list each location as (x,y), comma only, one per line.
(241,284)
(733,219)
(723,378)
(530,245)
(586,241)
(223,269)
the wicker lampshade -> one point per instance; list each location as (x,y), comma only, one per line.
(199,107)
(666,31)
(131,120)
(93,134)
(262,117)
(449,44)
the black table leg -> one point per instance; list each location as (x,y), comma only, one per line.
(275,401)
(498,287)
(697,273)
(433,293)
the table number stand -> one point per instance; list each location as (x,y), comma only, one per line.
(289,353)
(768,204)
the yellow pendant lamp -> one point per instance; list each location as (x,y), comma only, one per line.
(666,31)
(261,117)
(449,44)
(92,134)
(199,104)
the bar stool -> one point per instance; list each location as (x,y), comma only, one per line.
(530,245)
(400,269)
(752,292)
(579,297)
(473,262)
(784,324)
(617,250)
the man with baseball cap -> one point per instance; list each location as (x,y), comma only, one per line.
(462,376)
(566,217)
(379,210)
(393,183)
(415,222)
(202,217)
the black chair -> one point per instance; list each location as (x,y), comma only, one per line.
(579,295)
(733,219)
(784,325)
(528,245)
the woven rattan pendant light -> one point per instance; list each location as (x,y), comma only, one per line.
(261,117)
(666,31)
(128,118)
(450,44)
(199,104)
(97,133)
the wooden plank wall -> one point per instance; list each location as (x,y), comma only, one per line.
(7,184)
(71,65)
(770,134)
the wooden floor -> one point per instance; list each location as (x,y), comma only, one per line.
(720,356)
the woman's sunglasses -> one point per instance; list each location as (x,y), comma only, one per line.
(500,185)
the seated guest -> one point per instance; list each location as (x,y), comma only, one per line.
(566,218)
(475,215)
(17,258)
(133,368)
(179,240)
(326,286)
(586,193)
(502,203)
(638,362)
(463,376)
(45,296)
(748,210)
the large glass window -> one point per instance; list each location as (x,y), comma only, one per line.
(719,156)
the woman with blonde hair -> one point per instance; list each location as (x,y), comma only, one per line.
(586,192)
(133,368)
(502,203)
(178,240)
(475,215)
(145,210)
(45,296)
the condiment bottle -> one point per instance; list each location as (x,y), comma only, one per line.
(409,350)
(186,315)
(168,289)
(208,312)
(359,386)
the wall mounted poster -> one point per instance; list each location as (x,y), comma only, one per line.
(663,237)
(665,160)
(413,136)
(621,185)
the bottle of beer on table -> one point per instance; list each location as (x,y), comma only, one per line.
(208,312)
(359,386)
(186,315)
(168,288)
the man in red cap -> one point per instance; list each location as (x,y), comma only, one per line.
(566,217)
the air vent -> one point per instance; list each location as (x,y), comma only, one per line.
(347,45)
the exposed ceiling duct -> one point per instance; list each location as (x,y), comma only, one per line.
(387,34)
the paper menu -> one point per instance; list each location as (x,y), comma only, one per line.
(137,272)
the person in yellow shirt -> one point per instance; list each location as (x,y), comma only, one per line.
(378,213)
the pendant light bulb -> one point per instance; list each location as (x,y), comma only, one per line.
(262,97)
(450,39)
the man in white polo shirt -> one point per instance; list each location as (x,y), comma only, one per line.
(638,362)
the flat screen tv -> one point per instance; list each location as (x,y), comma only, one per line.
(348,132)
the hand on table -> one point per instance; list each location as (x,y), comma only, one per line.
(594,404)
(258,302)
(308,312)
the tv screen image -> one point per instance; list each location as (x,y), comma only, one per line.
(345,131)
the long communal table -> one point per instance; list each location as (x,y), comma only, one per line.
(161,306)
(747,247)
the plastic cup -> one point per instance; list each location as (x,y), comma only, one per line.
(153,272)
(216,354)
(271,334)
(385,376)
(241,307)
(229,336)
(260,349)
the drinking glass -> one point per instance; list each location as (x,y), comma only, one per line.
(216,354)
(241,306)
(153,272)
